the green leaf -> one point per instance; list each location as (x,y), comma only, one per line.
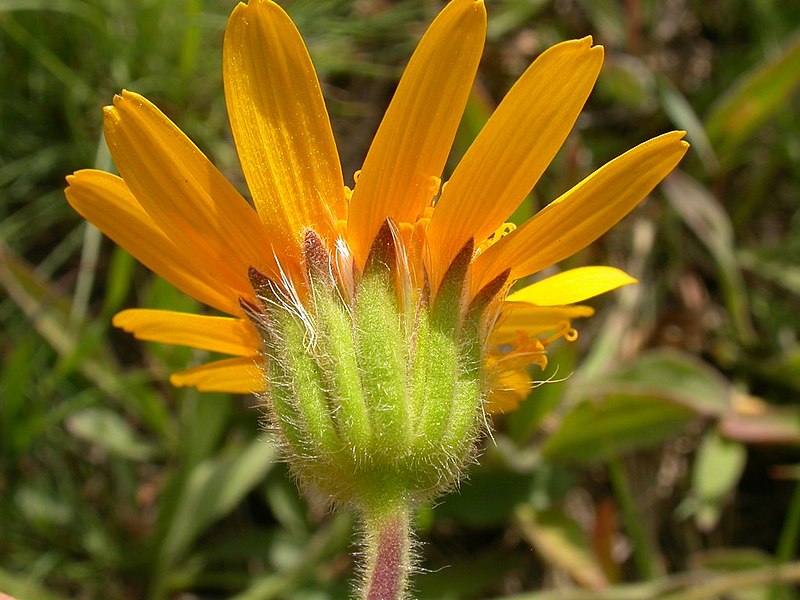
(496,492)
(753,99)
(22,587)
(783,273)
(561,542)
(717,469)
(626,80)
(704,215)
(683,116)
(641,405)
(727,561)
(667,374)
(108,430)
(213,489)
(595,430)
(80,347)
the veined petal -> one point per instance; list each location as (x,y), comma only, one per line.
(186,196)
(105,200)
(575,285)
(280,125)
(584,213)
(234,375)
(514,148)
(533,320)
(216,334)
(401,173)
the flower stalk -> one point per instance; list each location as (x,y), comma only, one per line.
(387,550)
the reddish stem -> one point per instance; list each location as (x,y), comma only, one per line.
(388,556)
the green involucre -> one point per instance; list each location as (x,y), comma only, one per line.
(374,400)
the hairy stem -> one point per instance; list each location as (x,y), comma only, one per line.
(388,554)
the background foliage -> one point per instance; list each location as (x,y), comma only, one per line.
(660,462)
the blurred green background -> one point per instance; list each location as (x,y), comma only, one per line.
(662,461)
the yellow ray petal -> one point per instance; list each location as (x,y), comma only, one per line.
(575,285)
(533,320)
(513,149)
(280,125)
(401,173)
(186,196)
(584,213)
(105,200)
(216,334)
(234,375)
(508,389)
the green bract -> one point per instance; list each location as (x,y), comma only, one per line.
(378,397)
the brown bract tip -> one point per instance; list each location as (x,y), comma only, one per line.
(260,282)
(453,280)
(489,291)
(382,253)
(318,260)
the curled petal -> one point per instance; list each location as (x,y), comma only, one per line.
(216,334)
(508,389)
(104,199)
(533,320)
(575,285)
(234,375)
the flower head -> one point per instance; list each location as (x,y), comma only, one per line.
(376,319)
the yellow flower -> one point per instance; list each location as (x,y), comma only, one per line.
(178,215)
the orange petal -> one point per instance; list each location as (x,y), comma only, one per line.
(186,196)
(280,126)
(584,213)
(105,200)
(234,375)
(533,320)
(216,334)
(514,148)
(401,173)
(575,285)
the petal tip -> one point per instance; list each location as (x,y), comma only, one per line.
(121,321)
(177,381)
